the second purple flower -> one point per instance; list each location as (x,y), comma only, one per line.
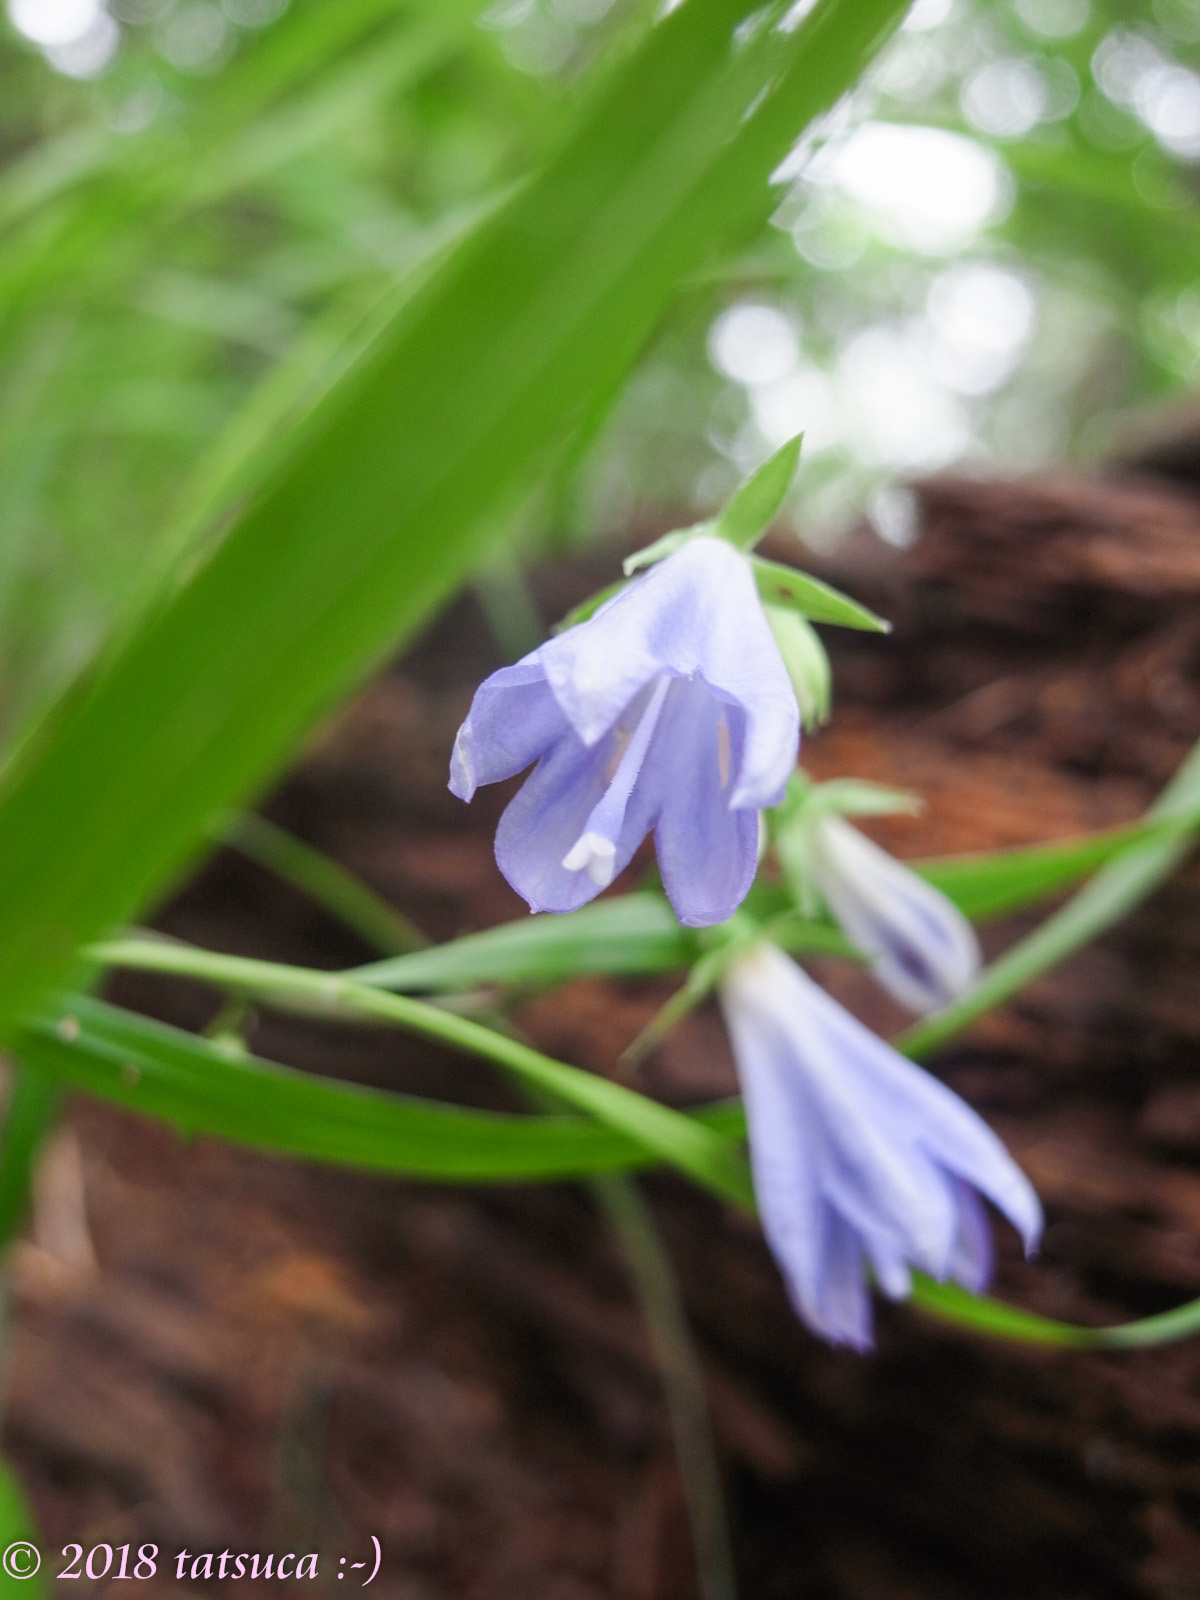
(671,710)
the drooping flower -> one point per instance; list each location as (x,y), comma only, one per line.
(671,710)
(920,946)
(863,1163)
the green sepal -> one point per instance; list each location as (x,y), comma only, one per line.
(742,521)
(753,507)
(819,602)
(807,665)
(858,797)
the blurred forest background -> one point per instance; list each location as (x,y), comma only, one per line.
(989,256)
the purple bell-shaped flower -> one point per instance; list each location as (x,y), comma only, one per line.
(863,1163)
(669,710)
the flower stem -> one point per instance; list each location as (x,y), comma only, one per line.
(683,1384)
(325,881)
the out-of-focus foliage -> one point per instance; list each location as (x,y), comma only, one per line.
(991,256)
(186,242)
(989,253)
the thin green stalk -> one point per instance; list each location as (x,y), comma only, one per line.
(508,606)
(1115,890)
(323,880)
(342,894)
(706,1156)
(683,1385)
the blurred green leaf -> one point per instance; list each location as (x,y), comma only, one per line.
(982,1314)
(319,876)
(32,1108)
(17,1528)
(988,885)
(382,507)
(704,1155)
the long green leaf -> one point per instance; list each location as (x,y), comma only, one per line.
(198,1087)
(1116,889)
(710,1158)
(385,501)
(981,1314)
(19,1535)
(192,1083)
(28,1118)
(988,885)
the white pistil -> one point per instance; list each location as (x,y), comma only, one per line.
(594,854)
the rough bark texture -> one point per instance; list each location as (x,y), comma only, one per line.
(217,1350)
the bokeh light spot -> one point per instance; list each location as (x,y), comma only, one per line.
(753,344)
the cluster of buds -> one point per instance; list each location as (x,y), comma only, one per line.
(675,708)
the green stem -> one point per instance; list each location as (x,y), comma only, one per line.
(706,1156)
(323,880)
(346,897)
(683,1384)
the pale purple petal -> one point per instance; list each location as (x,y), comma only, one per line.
(512,720)
(707,853)
(972,1265)
(545,819)
(841,1313)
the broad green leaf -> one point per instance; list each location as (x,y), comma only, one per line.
(755,505)
(192,1083)
(784,586)
(406,464)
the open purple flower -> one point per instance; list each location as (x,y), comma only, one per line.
(920,946)
(862,1162)
(670,710)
